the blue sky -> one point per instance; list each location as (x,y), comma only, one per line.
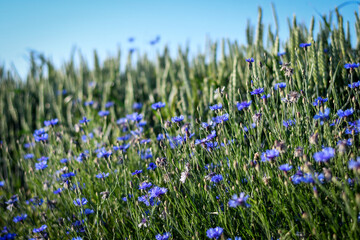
(55,27)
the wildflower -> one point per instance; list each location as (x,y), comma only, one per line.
(152,166)
(289,123)
(217,178)
(305,45)
(40,229)
(249,60)
(137,172)
(58,191)
(144,185)
(102,175)
(88,103)
(257,91)
(322,115)
(41,165)
(281,54)
(80,202)
(109,104)
(285,167)
(280,85)
(51,122)
(220,119)
(68,175)
(84,121)
(214,232)
(324,155)
(158,105)
(2,183)
(216,107)
(20,218)
(351,65)
(29,156)
(354,164)
(163,237)
(240,200)
(177,119)
(137,106)
(354,85)
(346,113)
(88,211)
(157,191)
(319,101)
(242,105)
(269,155)
(103,113)
(103,153)
(265,96)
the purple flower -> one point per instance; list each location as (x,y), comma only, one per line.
(351,65)
(325,155)
(103,153)
(257,91)
(80,202)
(285,167)
(305,45)
(242,105)
(319,100)
(103,113)
(177,119)
(322,116)
(214,232)
(58,191)
(68,175)
(163,237)
(51,122)
(145,185)
(217,178)
(240,200)
(29,156)
(249,60)
(109,104)
(346,113)
(152,166)
(216,107)
(40,229)
(157,191)
(88,211)
(158,105)
(269,155)
(280,85)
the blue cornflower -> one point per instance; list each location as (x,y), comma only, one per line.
(41,137)
(158,105)
(289,123)
(109,104)
(20,218)
(163,237)
(220,119)
(249,60)
(64,160)
(217,178)
(40,229)
(103,153)
(216,107)
(177,119)
(157,191)
(102,175)
(77,238)
(351,65)
(265,96)
(324,155)
(214,232)
(354,164)
(269,155)
(136,117)
(281,54)
(29,156)
(152,166)
(103,113)
(68,175)
(305,45)
(51,122)
(285,167)
(354,85)
(137,106)
(144,199)
(257,91)
(322,116)
(240,200)
(88,211)
(84,120)
(319,101)
(41,165)
(43,158)
(2,183)
(88,103)
(279,85)
(242,105)
(137,172)
(58,191)
(145,185)
(346,113)
(80,202)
